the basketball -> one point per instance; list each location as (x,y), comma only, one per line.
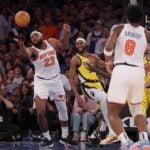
(22,18)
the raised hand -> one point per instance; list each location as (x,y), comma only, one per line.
(19,42)
(66,27)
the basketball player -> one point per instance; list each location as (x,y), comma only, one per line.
(128,43)
(47,81)
(89,81)
(146,100)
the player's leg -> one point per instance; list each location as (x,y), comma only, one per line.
(42,121)
(111,137)
(102,99)
(41,93)
(63,117)
(135,106)
(100,96)
(117,94)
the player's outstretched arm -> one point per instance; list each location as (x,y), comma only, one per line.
(75,62)
(62,42)
(22,47)
(110,44)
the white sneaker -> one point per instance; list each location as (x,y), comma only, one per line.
(83,136)
(144,145)
(109,139)
(94,135)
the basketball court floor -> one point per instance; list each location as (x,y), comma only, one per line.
(29,145)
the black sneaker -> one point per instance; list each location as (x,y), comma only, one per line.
(45,143)
(68,141)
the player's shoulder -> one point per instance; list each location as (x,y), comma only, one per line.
(118,27)
(75,59)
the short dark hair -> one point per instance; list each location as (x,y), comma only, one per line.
(134,14)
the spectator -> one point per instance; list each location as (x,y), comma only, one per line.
(8,66)
(18,75)
(4,27)
(84,115)
(25,106)
(10,84)
(16,101)
(7,130)
(94,36)
(2,81)
(48,29)
(101,42)
(12,46)
(30,76)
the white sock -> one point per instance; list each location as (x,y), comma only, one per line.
(64,132)
(143,136)
(123,137)
(46,134)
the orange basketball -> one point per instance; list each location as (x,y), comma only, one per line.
(22,18)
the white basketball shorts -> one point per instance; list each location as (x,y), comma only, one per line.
(52,88)
(127,84)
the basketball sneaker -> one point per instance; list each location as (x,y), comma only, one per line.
(109,139)
(144,145)
(46,144)
(68,141)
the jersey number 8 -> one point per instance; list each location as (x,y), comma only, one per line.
(129,47)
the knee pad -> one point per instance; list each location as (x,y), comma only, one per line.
(62,110)
(135,109)
(63,115)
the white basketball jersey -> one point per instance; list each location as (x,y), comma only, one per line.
(130,46)
(46,65)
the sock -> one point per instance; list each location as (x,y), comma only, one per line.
(83,134)
(46,134)
(64,132)
(143,136)
(123,137)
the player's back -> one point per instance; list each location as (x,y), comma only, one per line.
(131,45)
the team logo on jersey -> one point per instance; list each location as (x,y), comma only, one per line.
(92,93)
(61,97)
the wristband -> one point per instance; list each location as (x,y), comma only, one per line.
(108,53)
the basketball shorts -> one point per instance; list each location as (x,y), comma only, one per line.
(127,83)
(52,88)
